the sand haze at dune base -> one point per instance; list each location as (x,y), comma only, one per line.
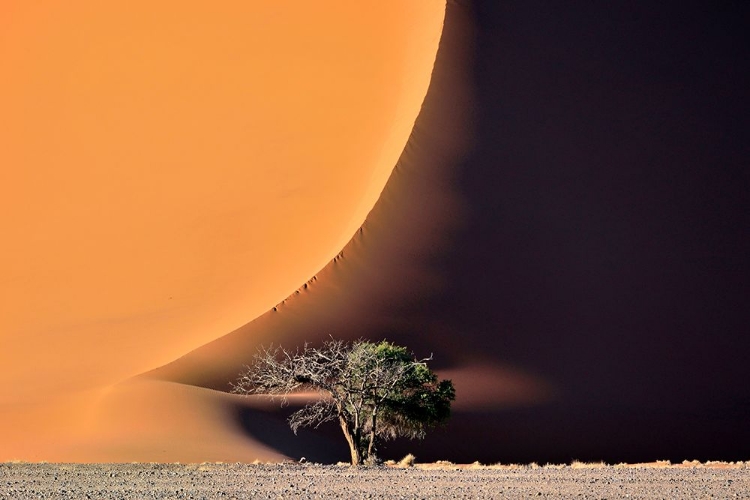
(169,173)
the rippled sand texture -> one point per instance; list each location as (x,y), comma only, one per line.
(169,172)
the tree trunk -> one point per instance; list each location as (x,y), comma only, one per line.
(352,440)
(371,445)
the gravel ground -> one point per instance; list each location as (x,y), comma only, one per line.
(238,481)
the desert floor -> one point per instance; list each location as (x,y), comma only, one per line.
(227,481)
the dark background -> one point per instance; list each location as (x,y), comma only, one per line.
(608,238)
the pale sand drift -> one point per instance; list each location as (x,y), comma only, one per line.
(171,172)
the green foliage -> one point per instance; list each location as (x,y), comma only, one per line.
(405,392)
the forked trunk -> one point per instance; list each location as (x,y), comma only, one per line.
(352,440)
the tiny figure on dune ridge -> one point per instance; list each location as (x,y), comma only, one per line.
(376,391)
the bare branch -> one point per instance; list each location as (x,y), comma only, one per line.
(313,415)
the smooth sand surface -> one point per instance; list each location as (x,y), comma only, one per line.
(170,172)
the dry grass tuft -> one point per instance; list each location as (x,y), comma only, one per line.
(506,467)
(577,464)
(659,464)
(692,463)
(439,465)
(727,465)
(407,461)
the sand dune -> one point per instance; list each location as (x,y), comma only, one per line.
(563,228)
(169,173)
(563,231)
(381,279)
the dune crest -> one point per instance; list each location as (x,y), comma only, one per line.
(378,285)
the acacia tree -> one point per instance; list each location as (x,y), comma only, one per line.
(376,391)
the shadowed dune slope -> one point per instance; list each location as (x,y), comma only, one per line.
(168,172)
(568,239)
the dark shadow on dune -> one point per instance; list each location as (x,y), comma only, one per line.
(272,430)
(607,248)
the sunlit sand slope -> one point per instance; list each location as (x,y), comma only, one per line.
(170,171)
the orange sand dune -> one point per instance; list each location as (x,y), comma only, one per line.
(168,172)
(564,235)
(379,283)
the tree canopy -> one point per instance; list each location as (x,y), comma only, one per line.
(376,391)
